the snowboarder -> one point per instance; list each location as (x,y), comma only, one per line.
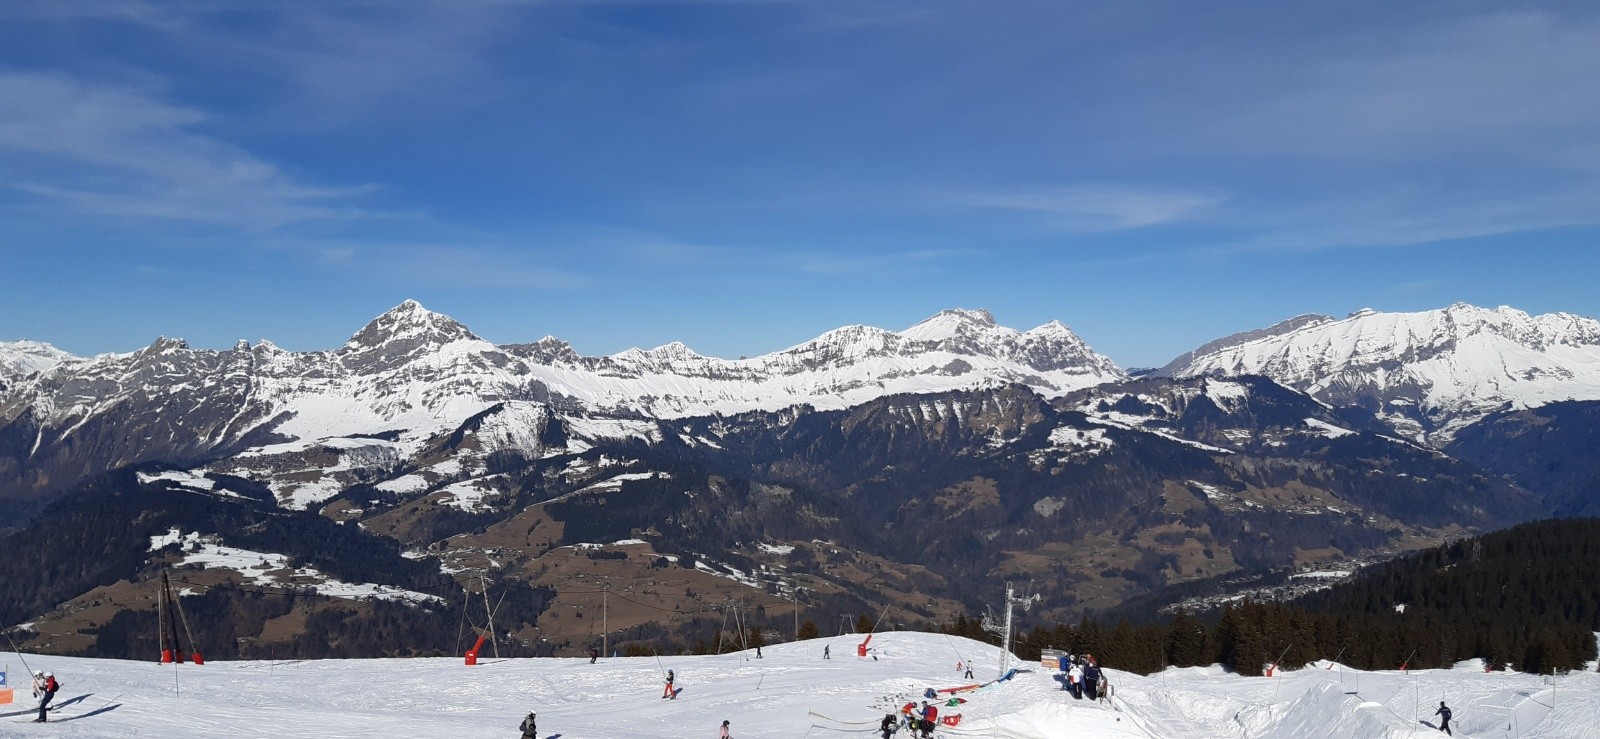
(44,686)
(669,693)
(889,725)
(594,654)
(724,734)
(825,652)
(1444,718)
(529,727)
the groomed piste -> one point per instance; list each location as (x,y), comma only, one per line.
(791,692)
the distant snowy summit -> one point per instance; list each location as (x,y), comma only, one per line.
(20,358)
(956,349)
(1427,374)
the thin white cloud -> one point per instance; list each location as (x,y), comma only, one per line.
(1099,207)
(445,265)
(1511,88)
(843,264)
(1410,216)
(119,151)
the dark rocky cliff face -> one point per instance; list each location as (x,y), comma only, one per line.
(1551,450)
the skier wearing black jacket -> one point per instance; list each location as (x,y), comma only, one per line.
(889,725)
(1091,681)
(1444,719)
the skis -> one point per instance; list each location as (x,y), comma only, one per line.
(103,702)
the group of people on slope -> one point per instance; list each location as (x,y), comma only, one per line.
(1083,676)
(919,721)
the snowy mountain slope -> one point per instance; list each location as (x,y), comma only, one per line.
(1244,337)
(791,692)
(412,375)
(18,359)
(1428,374)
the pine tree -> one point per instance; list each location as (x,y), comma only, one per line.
(1186,641)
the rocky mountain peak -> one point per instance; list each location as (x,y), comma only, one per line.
(409,323)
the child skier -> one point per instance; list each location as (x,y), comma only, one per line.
(668,692)
(724,734)
(530,727)
(44,686)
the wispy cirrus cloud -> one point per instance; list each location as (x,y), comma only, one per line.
(115,150)
(442,264)
(1098,207)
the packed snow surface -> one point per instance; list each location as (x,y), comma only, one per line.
(791,693)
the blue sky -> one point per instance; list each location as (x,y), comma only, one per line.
(742,176)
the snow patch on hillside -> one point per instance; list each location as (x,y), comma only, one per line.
(1327,429)
(267,568)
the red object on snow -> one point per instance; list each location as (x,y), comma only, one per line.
(166,656)
(1270,668)
(960,688)
(952,719)
(197,658)
(472,654)
(861,649)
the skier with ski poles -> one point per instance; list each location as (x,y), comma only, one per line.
(44,685)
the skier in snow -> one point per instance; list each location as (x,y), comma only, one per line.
(1444,718)
(758,651)
(724,734)
(1075,682)
(668,693)
(1091,681)
(889,725)
(930,719)
(594,654)
(529,727)
(907,715)
(969,671)
(45,686)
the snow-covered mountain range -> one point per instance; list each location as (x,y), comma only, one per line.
(1427,374)
(411,374)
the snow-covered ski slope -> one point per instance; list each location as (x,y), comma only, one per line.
(789,694)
